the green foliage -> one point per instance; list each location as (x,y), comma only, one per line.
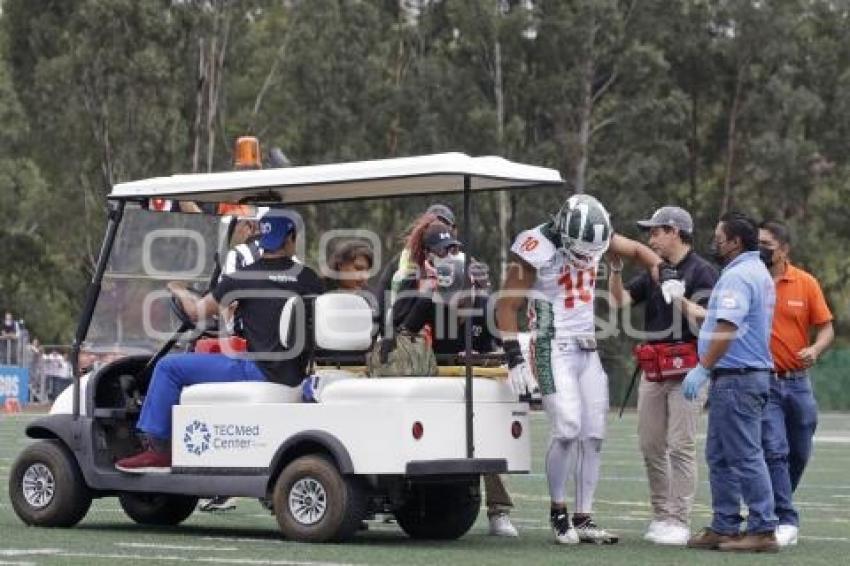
(830,380)
(706,104)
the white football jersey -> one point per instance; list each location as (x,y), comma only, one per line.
(563,295)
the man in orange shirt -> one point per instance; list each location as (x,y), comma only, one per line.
(790,416)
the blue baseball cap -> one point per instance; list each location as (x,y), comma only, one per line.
(275,226)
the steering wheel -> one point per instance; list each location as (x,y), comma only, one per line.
(186,323)
(186,331)
(210,329)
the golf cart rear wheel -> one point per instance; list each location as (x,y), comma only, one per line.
(439,511)
(157,508)
(314,502)
(46,487)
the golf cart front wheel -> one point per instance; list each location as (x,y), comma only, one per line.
(440,510)
(157,508)
(46,487)
(313,502)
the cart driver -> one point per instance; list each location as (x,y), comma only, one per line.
(261,289)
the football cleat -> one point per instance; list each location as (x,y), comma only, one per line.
(590,532)
(564,531)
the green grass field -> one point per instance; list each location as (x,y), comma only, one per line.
(248,535)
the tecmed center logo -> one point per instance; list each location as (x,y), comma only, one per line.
(196,438)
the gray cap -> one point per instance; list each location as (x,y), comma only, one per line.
(671,216)
(442,212)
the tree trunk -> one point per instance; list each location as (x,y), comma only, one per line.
(398,75)
(199,106)
(210,124)
(694,149)
(585,113)
(728,197)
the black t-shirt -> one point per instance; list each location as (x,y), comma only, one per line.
(699,277)
(483,340)
(412,308)
(271,281)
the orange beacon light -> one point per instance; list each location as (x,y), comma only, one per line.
(247,153)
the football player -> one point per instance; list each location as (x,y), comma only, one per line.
(554,267)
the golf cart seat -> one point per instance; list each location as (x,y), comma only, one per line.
(239,393)
(430,389)
(342,322)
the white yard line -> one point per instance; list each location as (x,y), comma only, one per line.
(165,558)
(173,546)
(837,439)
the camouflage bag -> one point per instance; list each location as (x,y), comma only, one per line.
(404,355)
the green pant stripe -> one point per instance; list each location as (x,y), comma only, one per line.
(545,332)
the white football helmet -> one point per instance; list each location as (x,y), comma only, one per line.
(585,229)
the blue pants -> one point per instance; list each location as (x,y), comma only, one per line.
(736,465)
(788,426)
(177,371)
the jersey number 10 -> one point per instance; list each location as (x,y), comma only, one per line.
(580,289)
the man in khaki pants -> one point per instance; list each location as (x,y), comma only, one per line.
(667,422)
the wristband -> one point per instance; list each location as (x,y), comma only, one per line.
(513,353)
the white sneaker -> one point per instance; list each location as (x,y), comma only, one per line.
(654,526)
(672,534)
(786,535)
(501,526)
(216,504)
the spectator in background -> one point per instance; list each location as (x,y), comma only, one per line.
(38,383)
(9,333)
(35,347)
(11,328)
(791,414)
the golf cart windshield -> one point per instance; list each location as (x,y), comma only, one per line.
(132,314)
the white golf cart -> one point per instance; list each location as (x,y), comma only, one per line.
(413,447)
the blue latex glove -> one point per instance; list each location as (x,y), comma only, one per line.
(695,379)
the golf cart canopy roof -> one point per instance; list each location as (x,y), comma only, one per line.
(403,176)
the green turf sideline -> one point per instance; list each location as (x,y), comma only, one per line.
(106,536)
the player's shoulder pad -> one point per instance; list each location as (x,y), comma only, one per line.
(534,247)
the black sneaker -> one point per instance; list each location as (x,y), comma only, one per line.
(564,532)
(588,531)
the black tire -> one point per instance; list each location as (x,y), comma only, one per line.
(158,509)
(342,501)
(439,511)
(41,466)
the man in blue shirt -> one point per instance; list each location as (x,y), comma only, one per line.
(734,352)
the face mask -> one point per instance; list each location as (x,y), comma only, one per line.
(444,266)
(766,255)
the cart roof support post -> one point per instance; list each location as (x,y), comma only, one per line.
(116,212)
(467,327)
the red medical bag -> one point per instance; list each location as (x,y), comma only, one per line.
(665,361)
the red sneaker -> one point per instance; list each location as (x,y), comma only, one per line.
(148,462)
